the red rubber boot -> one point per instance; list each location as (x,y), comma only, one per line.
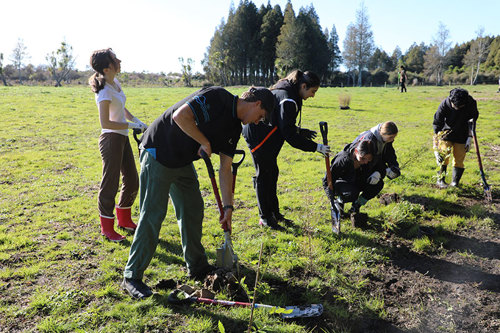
(108,229)
(125,218)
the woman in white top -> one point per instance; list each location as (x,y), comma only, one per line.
(114,145)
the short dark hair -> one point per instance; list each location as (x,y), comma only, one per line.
(365,147)
(261,94)
(459,96)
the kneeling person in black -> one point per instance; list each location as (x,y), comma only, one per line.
(209,120)
(352,172)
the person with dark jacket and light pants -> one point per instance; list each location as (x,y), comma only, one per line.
(265,140)
(452,134)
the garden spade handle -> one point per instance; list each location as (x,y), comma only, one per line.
(323,127)
(235,165)
(211,174)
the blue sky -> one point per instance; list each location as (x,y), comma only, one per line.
(150,35)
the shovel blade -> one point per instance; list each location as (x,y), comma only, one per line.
(313,310)
(226,258)
(335,221)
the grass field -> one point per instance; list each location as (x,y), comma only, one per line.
(57,273)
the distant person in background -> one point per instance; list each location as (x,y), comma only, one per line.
(452,134)
(403,78)
(266,140)
(114,145)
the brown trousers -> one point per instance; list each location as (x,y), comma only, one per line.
(117,157)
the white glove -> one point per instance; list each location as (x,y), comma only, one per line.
(143,126)
(135,126)
(374,178)
(439,158)
(467,144)
(392,172)
(323,149)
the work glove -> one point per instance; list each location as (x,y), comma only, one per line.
(439,158)
(143,126)
(308,134)
(323,149)
(374,178)
(467,144)
(135,126)
(392,172)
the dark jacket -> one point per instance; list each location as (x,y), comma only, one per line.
(342,168)
(288,106)
(454,121)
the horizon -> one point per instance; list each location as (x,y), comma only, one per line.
(394,24)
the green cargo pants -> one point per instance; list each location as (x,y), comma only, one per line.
(157,182)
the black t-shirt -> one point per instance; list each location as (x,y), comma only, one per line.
(214,110)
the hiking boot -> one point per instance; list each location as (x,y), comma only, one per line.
(281,218)
(136,288)
(271,223)
(201,274)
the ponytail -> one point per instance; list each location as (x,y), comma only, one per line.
(96,82)
(99,60)
(297,77)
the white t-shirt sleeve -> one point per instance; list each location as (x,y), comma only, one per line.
(103,95)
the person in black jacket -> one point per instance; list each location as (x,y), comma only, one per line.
(352,172)
(383,162)
(265,140)
(452,134)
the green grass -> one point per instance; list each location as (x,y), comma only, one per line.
(57,274)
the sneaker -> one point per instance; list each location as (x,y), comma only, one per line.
(136,288)
(202,273)
(271,223)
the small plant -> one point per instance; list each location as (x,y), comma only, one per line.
(423,245)
(403,218)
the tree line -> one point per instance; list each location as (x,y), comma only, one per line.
(260,45)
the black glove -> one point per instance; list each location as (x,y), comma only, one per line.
(308,134)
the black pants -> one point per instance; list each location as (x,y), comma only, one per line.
(266,182)
(403,86)
(349,191)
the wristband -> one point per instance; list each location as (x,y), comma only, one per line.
(228,207)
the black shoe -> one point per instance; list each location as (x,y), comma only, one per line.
(201,274)
(136,288)
(281,218)
(354,208)
(271,223)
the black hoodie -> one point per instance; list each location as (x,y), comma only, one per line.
(288,106)
(454,121)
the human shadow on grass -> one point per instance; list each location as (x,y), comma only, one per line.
(443,207)
(446,271)
(483,249)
